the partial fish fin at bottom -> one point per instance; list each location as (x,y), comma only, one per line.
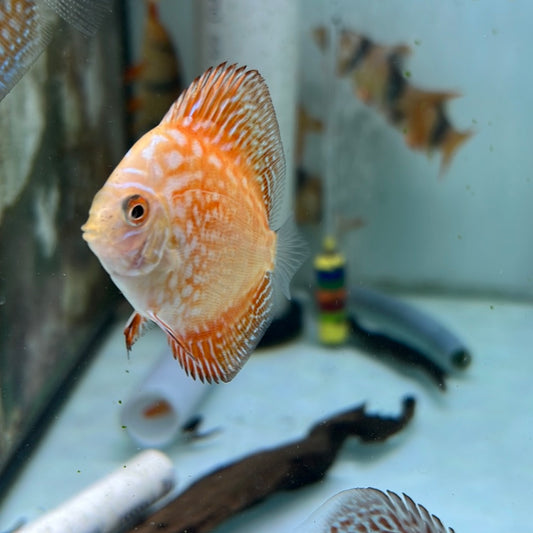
(371,510)
(217,351)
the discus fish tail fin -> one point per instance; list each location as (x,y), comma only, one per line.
(291,252)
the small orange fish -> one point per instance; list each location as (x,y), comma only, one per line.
(380,81)
(191,225)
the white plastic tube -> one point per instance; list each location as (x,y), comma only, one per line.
(115,501)
(262,35)
(162,404)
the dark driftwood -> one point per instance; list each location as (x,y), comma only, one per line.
(230,489)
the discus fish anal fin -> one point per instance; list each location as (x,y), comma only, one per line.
(217,353)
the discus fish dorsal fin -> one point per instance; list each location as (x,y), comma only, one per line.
(217,352)
(231,107)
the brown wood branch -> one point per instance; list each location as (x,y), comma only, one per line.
(239,485)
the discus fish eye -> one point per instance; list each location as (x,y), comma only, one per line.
(135,209)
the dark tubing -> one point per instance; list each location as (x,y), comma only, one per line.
(448,350)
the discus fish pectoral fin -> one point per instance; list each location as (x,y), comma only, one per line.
(136,327)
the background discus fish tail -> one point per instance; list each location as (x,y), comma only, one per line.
(85,15)
(27,28)
(238,102)
(218,351)
(372,511)
(291,252)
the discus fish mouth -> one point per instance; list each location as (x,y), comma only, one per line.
(88,230)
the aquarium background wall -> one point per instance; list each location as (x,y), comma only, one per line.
(468,230)
(62,133)
(408,226)
(399,222)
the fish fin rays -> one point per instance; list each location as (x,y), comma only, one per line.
(218,352)
(291,252)
(369,509)
(85,16)
(231,106)
(34,31)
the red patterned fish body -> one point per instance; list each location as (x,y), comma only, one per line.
(190,225)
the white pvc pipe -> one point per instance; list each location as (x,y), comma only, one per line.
(162,403)
(115,501)
(262,35)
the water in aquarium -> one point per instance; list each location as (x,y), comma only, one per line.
(265,266)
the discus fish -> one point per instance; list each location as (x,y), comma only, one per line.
(191,225)
(380,81)
(371,511)
(27,27)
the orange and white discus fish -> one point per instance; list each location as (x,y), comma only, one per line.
(191,226)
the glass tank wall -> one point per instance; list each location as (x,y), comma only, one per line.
(408,173)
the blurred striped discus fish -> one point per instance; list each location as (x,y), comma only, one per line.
(371,511)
